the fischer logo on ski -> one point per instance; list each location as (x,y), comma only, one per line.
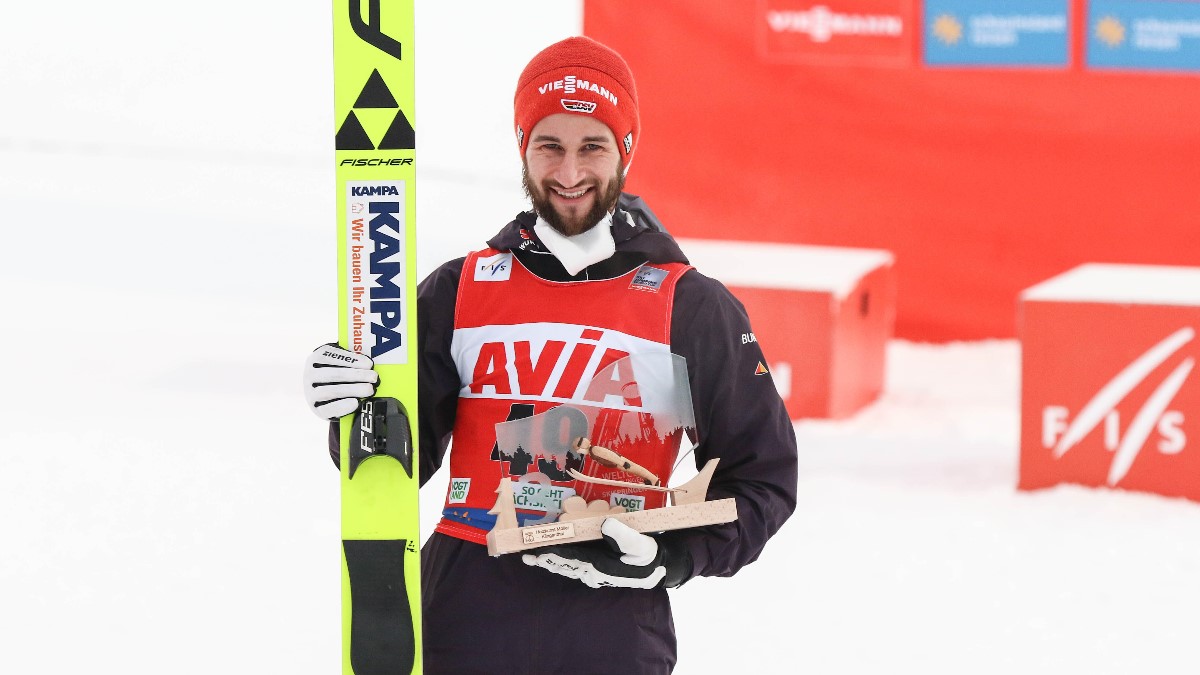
(369,30)
(399,135)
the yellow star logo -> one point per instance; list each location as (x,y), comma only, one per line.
(947,29)
(1110,31)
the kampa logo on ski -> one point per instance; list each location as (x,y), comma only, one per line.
(376,271)
(374,190)
(387,293)
(1153,425)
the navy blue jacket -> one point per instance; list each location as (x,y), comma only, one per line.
(486,614)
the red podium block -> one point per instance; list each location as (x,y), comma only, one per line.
(1108,393)
(823,316)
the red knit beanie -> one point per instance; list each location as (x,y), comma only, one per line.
(584,77)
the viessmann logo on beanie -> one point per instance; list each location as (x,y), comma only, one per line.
(583,77)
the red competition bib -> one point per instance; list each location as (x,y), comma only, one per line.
(523,346)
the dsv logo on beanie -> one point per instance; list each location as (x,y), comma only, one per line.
(572,105)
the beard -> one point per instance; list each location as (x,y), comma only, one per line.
(566,224)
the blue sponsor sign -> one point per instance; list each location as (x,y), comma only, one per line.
(1143,35)
(997,33)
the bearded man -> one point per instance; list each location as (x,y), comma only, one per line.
(509,331)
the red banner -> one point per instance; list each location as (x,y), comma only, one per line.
(981,181)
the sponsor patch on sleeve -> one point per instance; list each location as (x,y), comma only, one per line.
(648,279)
(459,489)
(761,369)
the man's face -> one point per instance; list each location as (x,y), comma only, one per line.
(573,173)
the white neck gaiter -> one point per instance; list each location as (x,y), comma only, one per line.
(576,253)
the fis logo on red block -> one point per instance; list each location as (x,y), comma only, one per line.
(1131,431)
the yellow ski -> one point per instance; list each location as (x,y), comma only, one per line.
(376,179)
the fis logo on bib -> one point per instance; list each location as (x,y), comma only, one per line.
(494,268)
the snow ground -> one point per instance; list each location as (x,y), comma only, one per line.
(166,204)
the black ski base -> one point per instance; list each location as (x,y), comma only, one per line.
(382,640)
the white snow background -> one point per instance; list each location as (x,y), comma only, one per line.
(167,205)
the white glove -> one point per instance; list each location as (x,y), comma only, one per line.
(630,560)
(335,379)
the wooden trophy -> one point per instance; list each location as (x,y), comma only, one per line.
(580,521)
